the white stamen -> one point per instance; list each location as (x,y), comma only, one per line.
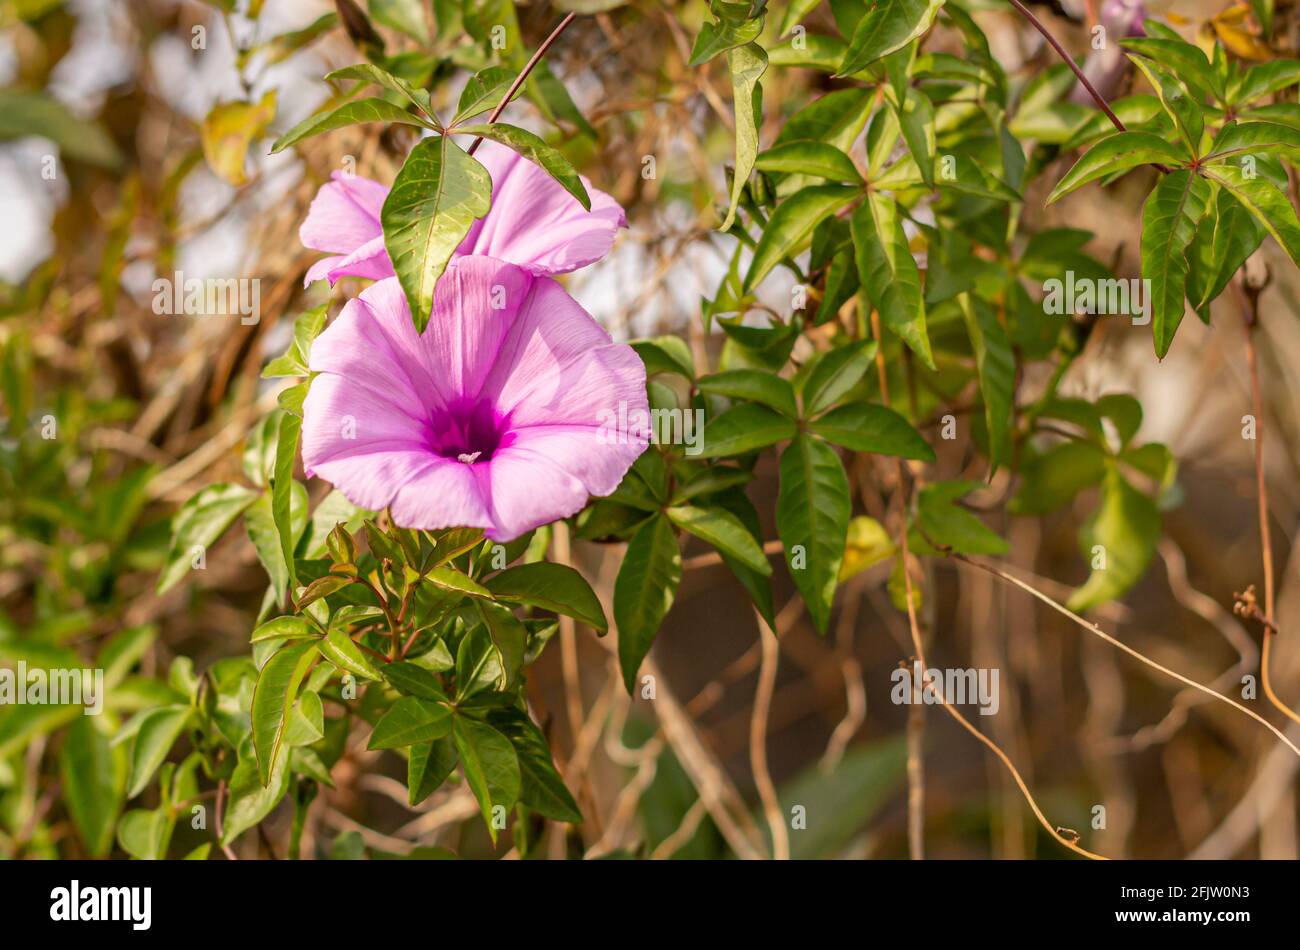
(468,457)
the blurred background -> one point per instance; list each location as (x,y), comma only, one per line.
(134,140)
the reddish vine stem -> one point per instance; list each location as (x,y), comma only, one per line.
(1097,97)
(1249,298)
(523,74)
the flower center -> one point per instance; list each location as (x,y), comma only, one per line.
(468,432)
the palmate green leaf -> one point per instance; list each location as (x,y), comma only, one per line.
(535,149)
(1224,240)
(273,696)
(996,365)
(812,518)
(644,592)
(413,680)
(834,373)
(306,327)
(916,120)
(1123,531)
(145,834)
(408,721)
(1187,61)
(1124,412)
(157,732)
(723,530)
(250,799)
(744,429)
(809,158)
(888,272)
(509,636)
(887,26)
(490,764)
(753,385)
(834,119)
(791,226)
(478,664)
(290,627)
(943,523)
(1121,151)
(867,427)
(323,587)
(93,773)
(198,524)
(1265,201)
(350,113)
(428,765)
(757,585)
(1052,479)
(747,64)
(450,579)
(484,91)
(1178,103)
(722,36)
(370,73)
(263,532)
(554,587)
(342,651)
(957,172)
(1237,139)
(666,354)
(1264,78)
(282,483)
(1169,221)
(437,195)
(541,787)
(841,284)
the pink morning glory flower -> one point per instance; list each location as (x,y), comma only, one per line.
(496,417)
(534,223)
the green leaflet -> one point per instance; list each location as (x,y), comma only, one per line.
(888,271)
(1224,240)
(996,365)
(1121,151)
(198,524)
(888,25)
(1265,201)
(812,518)
(533,148)
(350,113)
(434,200)
(1118,542)
(644,592)
(1169,221)
(747,64)
(791,226)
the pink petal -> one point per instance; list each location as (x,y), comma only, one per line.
(535,223)
(343,215)
(447,494)
(527,490)
(375,328)
(557,365)
(596,457)
(321,270)
(360,442)
(370,260)
(476,302)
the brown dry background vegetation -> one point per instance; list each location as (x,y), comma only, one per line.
(1085,724)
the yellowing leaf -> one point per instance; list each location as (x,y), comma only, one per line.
(229,130)
(1233,30)
(868,543)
